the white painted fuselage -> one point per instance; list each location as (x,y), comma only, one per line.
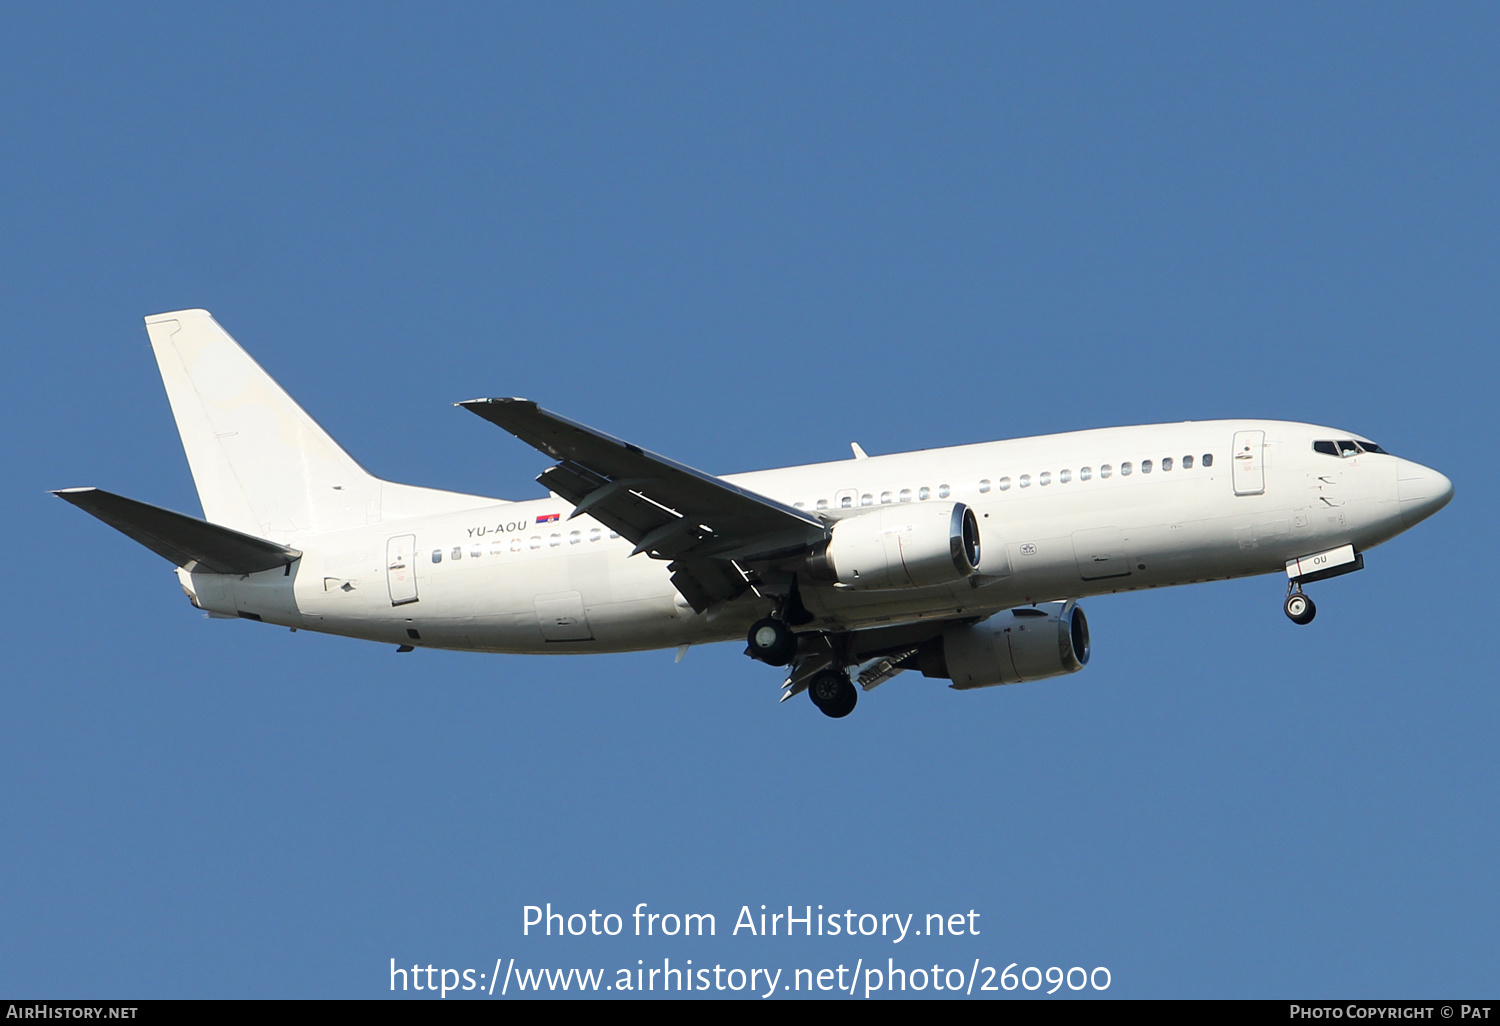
(1061,516)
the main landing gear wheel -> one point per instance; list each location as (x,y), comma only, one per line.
(1299,608)
(833,693)
(772,642)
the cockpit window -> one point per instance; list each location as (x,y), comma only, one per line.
(1345,447)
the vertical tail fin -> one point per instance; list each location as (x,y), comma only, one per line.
(261,464)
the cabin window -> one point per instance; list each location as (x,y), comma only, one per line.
(536,542)
(457,553)
(1187,463)
(822,503)
(867,499)
(1125,469)
(497,548)
(574,537)
(515,545)
(924,494)
(798,505)
(1208,459)
(1106,470)
(555,540)
(1064,476)
(1025,481)
(846,501)
(437,555)
(1166,464)
(614,534)
(1004,484)
(475,552)
(1044,478)
(905,495)
(1145,466)
(1084,473)
(942,491)
(984,486)
(885,497)
(594,534)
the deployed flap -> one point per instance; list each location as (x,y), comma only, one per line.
(193,544)
(668,510)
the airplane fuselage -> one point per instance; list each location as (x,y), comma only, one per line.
(1061,516)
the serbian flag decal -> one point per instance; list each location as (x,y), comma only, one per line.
(548,519)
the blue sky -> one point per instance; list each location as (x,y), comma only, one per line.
(743,236)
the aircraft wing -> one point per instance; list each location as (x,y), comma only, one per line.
(709,528)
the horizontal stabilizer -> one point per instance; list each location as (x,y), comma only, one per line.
(193,544)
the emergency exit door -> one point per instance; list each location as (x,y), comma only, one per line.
(1249,462)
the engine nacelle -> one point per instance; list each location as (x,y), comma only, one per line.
(910,545)
(1010,647)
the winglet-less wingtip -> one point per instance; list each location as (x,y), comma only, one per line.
(469,404)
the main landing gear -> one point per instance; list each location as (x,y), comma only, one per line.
(833,693)
(772,642)
(1298,607)
(771,639)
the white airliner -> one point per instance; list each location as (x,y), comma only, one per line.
(964,563)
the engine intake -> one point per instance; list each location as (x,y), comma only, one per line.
(1010,647)
(911,545)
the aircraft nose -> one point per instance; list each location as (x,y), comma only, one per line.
(1422,492)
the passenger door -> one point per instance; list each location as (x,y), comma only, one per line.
(1249,463)
(401,568)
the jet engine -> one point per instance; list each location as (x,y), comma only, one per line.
(1010,647)
(911,545)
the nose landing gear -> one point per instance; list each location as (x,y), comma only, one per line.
(1298,607)
(1319,566)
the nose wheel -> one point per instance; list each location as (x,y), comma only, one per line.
(1298,607)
